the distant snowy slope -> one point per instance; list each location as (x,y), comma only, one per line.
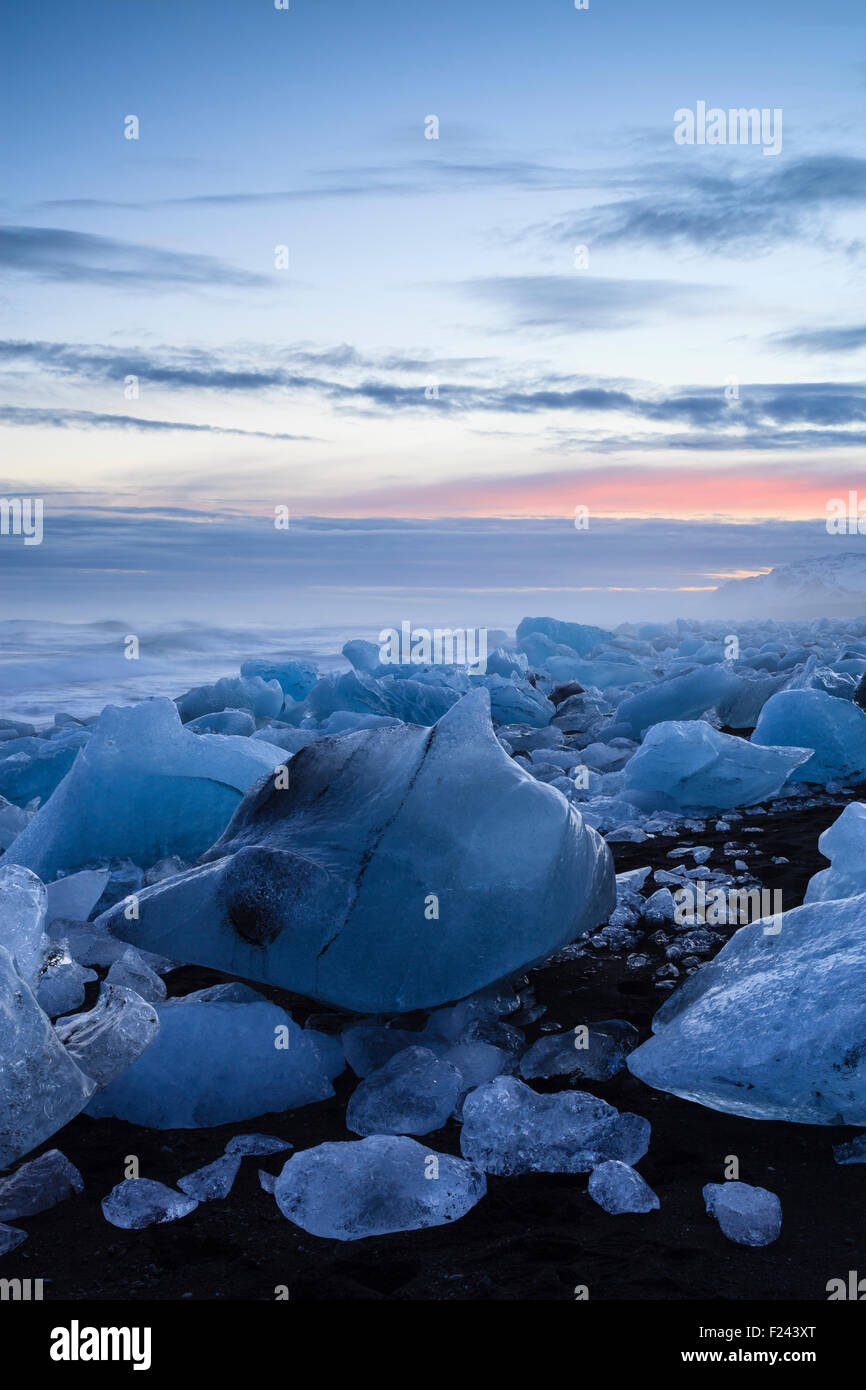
(829,584)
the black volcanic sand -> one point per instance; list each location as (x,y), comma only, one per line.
(533,1237)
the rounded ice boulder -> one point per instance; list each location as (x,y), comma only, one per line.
(374,1186)
(402,867)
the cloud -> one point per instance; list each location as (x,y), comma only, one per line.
(726,213)
(58,254)
(434,174)
(847,339)
(90,419)
(581,303)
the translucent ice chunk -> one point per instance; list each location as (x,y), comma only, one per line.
(10,1238)
(62,982)
(835,729)
(373,1186)
(22,915)
(258,1144)
(213,1181)
(596,1051)
(508,1128)
(747,1215)
(38,1185)
(105,1041)
(138,1202)
(41,1088)
(214,1063)
(144,787)
(694,765)
(844,844)
(773,1026)
(414,1093)
(618,1188)
(134,973)
(853,1151)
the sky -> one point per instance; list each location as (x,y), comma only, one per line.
(283,294)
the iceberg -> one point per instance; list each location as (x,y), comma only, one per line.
(144,787)
(835,729)
(682,697)
(374,1186)
(773,1026)
(692,765)
(261,699)
(403,867)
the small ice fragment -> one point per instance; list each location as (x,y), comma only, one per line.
(10,1238)
(854,1151)
(75,895)
(267,1180)
(618,1188)
(212,1181)
(258,1144)
(748,1215)
(133,972)
(38,1185)
(61,985)
(138,1202)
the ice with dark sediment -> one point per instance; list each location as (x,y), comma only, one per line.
(400,868)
